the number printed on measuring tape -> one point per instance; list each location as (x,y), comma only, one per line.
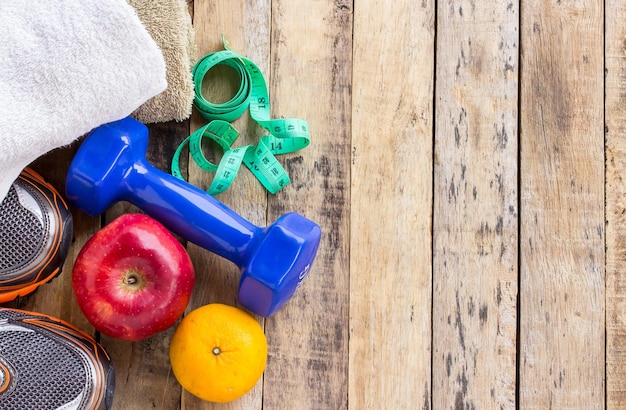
(286,135)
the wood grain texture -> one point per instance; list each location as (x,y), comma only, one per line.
(562,256)
(311,60)
(475,206)
(391,206)
(246,26)
(615,119)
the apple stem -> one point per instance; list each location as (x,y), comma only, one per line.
(132,281)
(216,351)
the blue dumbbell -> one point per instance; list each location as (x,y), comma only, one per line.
(110,166)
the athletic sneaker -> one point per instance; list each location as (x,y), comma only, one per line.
(46,363)
(35,235)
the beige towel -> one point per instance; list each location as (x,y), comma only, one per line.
(169,24)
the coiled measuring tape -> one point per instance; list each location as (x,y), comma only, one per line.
(285,135)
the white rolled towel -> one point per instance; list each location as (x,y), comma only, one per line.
(66,67)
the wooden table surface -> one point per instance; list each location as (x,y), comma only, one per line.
(466,167)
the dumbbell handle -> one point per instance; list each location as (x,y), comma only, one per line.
(191,213)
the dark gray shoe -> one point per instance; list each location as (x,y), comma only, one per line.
(35,235)
(46,363)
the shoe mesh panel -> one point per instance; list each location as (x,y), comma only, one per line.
(49,374)
(21,234)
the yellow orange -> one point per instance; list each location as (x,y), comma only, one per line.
(218,352)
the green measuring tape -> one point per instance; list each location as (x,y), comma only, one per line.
(285,135)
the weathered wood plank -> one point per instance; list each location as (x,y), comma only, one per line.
(475,206)
(246,26)
(310,79)
(562,295)
(615,119)
(391,205)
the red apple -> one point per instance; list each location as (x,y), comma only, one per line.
(133,278)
